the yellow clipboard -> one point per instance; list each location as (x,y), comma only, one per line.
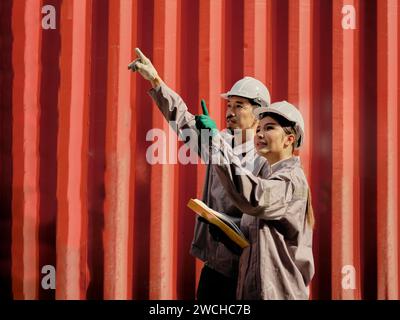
(217,219)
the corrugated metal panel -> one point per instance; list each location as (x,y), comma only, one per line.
(78,193)
(345,129)
(387,149)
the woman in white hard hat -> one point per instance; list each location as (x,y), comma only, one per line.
(278,217)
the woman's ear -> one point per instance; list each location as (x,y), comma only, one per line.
(290,140)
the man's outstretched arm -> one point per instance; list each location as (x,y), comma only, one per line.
(172,106)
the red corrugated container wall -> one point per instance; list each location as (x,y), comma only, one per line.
(77,191)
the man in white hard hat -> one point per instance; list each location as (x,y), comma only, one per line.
(219,275)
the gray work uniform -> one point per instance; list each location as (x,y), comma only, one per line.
(204,247)
(279,262)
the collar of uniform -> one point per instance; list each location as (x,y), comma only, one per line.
(286,163)
(244,147)
(240,148)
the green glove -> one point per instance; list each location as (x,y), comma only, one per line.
(203,121)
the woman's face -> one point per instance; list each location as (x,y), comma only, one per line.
(271,141)
(239,113)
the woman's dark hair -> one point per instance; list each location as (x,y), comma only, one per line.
(283,122)
(310,211)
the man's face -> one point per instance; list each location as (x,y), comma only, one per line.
(239,113)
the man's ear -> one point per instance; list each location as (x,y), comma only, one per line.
(255,123)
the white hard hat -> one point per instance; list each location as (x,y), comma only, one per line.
(250,88)
(289,112)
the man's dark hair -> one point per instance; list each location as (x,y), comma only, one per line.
(253,102)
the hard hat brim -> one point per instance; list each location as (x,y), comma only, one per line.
(261,110)
(257,112)
(228,94)
(225,95)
